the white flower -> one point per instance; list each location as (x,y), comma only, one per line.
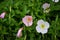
(45,6)
(42,26)
(55,0)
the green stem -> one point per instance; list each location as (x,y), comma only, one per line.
(25,37)
(55,37)
(24,33)
(42,36)
(55,34)
(44,16)
(9,14)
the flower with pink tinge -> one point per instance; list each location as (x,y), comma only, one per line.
(27,20)
(45,6)
(2,15)
(19,33)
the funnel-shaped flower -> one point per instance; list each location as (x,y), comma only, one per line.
(27,20)
(19,33)
(42,26)
(2,15)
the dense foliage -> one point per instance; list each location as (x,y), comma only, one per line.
(17,9)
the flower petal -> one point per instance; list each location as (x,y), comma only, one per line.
(2,15)
(55,0)
(45,6)
(44,31)
(47,25)
(38,29)
(30,23)
(40,22)
(19,33)
(24,21)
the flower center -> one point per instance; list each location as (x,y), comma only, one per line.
(29,19)
(42,26)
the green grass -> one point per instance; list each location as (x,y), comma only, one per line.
(17,9)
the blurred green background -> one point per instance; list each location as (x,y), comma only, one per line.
(17,9)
